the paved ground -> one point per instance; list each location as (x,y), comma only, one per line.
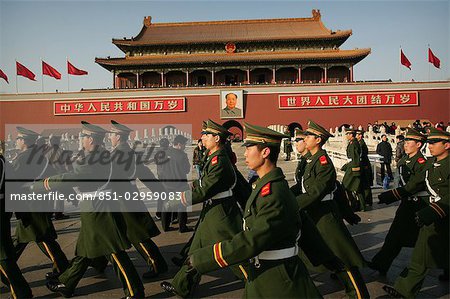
(369,236)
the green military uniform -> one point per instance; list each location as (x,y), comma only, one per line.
(9,270)
(139,225)
(102,233)
(432,247)
(317,199)
(403,231)
(314,250)
(366,171)
(37,227)
(352,175)
(185,250)
(271,231)
(220,218)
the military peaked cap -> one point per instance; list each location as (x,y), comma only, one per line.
(317,130)
(435,135)
(412,134)
(261,135)
(119,128)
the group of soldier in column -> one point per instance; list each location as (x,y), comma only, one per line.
(269,234)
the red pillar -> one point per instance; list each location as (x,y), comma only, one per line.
(325,74)
(187,78)
(162,79)
(274,79)
(212,77)
(248,76)
(138,85)
(299,77)
(351,73)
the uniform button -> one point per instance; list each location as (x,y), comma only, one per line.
(439,179)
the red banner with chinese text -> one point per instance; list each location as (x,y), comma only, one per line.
(107,106)
(348,100)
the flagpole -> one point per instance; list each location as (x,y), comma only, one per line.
(399,66)
(429,69)
(17,86)
(42,75)
(68,75)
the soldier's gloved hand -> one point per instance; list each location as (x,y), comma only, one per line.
(387,197)
(189,262)
(353,219)
(335,265)
(426,216)
(418,221)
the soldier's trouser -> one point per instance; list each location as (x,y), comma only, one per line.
(410,280)
(354,284)
(368,196)
(184,251)
(151,254)
(52,250)
(383,259)
(17,284)
(131,283)
(360,196)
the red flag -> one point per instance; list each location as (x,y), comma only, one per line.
(433,59)
(50,71)
(404,60)
(3,76)
(23,71)
(71,70)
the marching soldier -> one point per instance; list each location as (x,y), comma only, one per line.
(101,233)
(271,229)
(220,218)
(178,260)
(352,176)
(366,169)
(8,266)
(304,154)
(432,247)
(403,231)
(317,199)
(140,227)
(37,227)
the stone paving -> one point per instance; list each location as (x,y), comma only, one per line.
(369,235)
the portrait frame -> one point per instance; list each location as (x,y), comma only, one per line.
(238,110)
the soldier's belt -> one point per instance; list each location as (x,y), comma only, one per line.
(223,194)
(278,254)
(421,193)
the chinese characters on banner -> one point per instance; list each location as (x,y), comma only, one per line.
(348,100)
(144,105)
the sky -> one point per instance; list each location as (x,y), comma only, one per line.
(82,30)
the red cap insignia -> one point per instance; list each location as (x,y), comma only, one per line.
(266,190)
(214,161)
(421,160)
(323,160)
